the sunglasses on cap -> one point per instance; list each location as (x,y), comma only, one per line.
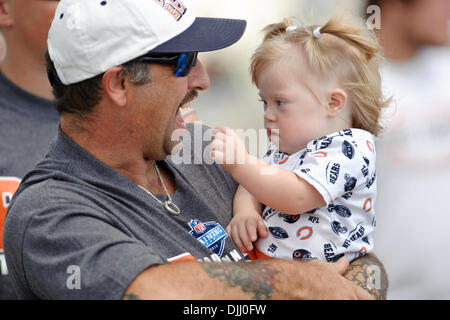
(182,62)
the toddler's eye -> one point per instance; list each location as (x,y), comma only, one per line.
(280,103)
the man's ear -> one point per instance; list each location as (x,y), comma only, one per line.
(114,85)
(337,99)
(5,18)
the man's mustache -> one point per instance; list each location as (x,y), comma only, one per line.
(191,95)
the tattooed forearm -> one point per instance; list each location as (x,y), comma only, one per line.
(256,279)
(131,296)
(368,273)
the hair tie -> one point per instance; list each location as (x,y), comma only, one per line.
(291,28)
(317,33)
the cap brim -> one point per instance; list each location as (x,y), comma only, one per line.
(205,34)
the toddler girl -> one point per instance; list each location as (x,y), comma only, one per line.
(312,196)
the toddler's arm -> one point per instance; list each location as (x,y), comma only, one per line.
(247,223)
(278,188)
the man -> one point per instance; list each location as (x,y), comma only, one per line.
(107,215)
(413,152)
(28,119)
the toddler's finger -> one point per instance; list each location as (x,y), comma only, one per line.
(252,229)
(262,229)
(228,229)
(217,143)
(243,234)
(216,151)
(236,239)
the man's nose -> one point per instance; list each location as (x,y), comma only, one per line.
(198,77)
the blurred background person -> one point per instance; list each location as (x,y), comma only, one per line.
(28,120)
(413,154)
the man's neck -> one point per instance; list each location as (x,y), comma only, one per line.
(26,71)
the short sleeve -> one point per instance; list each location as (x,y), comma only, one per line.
(335,165)
(83,253)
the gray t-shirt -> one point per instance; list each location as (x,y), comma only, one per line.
(27,125)
(77,229)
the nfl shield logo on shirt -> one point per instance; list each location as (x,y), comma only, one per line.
(211,234)
(199,228)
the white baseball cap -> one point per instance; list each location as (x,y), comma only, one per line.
(88,37)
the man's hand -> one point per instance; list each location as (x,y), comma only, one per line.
(368,273)
(325,282)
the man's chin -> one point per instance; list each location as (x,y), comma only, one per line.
(176,139)
(176,148)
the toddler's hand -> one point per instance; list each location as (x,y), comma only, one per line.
(244,229)
(227,149)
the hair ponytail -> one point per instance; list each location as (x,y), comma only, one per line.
(353,34)
(276,29)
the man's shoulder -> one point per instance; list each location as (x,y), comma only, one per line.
(30,198)
(38,203)
(25,203)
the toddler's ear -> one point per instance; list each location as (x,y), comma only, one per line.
(337,99)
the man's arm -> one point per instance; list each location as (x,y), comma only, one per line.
(262,279)
(368,273)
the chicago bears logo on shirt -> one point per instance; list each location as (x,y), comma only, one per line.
(211,234)
(338,228)
(367,207)
(289,218)
(302,254)
(280,157)
(304,232)
(350,182)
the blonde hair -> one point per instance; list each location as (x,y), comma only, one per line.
(346,49)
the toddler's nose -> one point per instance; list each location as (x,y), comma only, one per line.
(269,115)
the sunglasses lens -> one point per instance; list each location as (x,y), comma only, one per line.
(185,63)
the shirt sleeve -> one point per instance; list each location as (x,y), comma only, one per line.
(82,252)
(335,169)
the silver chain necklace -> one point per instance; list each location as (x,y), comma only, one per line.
(170,207)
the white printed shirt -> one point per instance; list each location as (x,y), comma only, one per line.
(341,167)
